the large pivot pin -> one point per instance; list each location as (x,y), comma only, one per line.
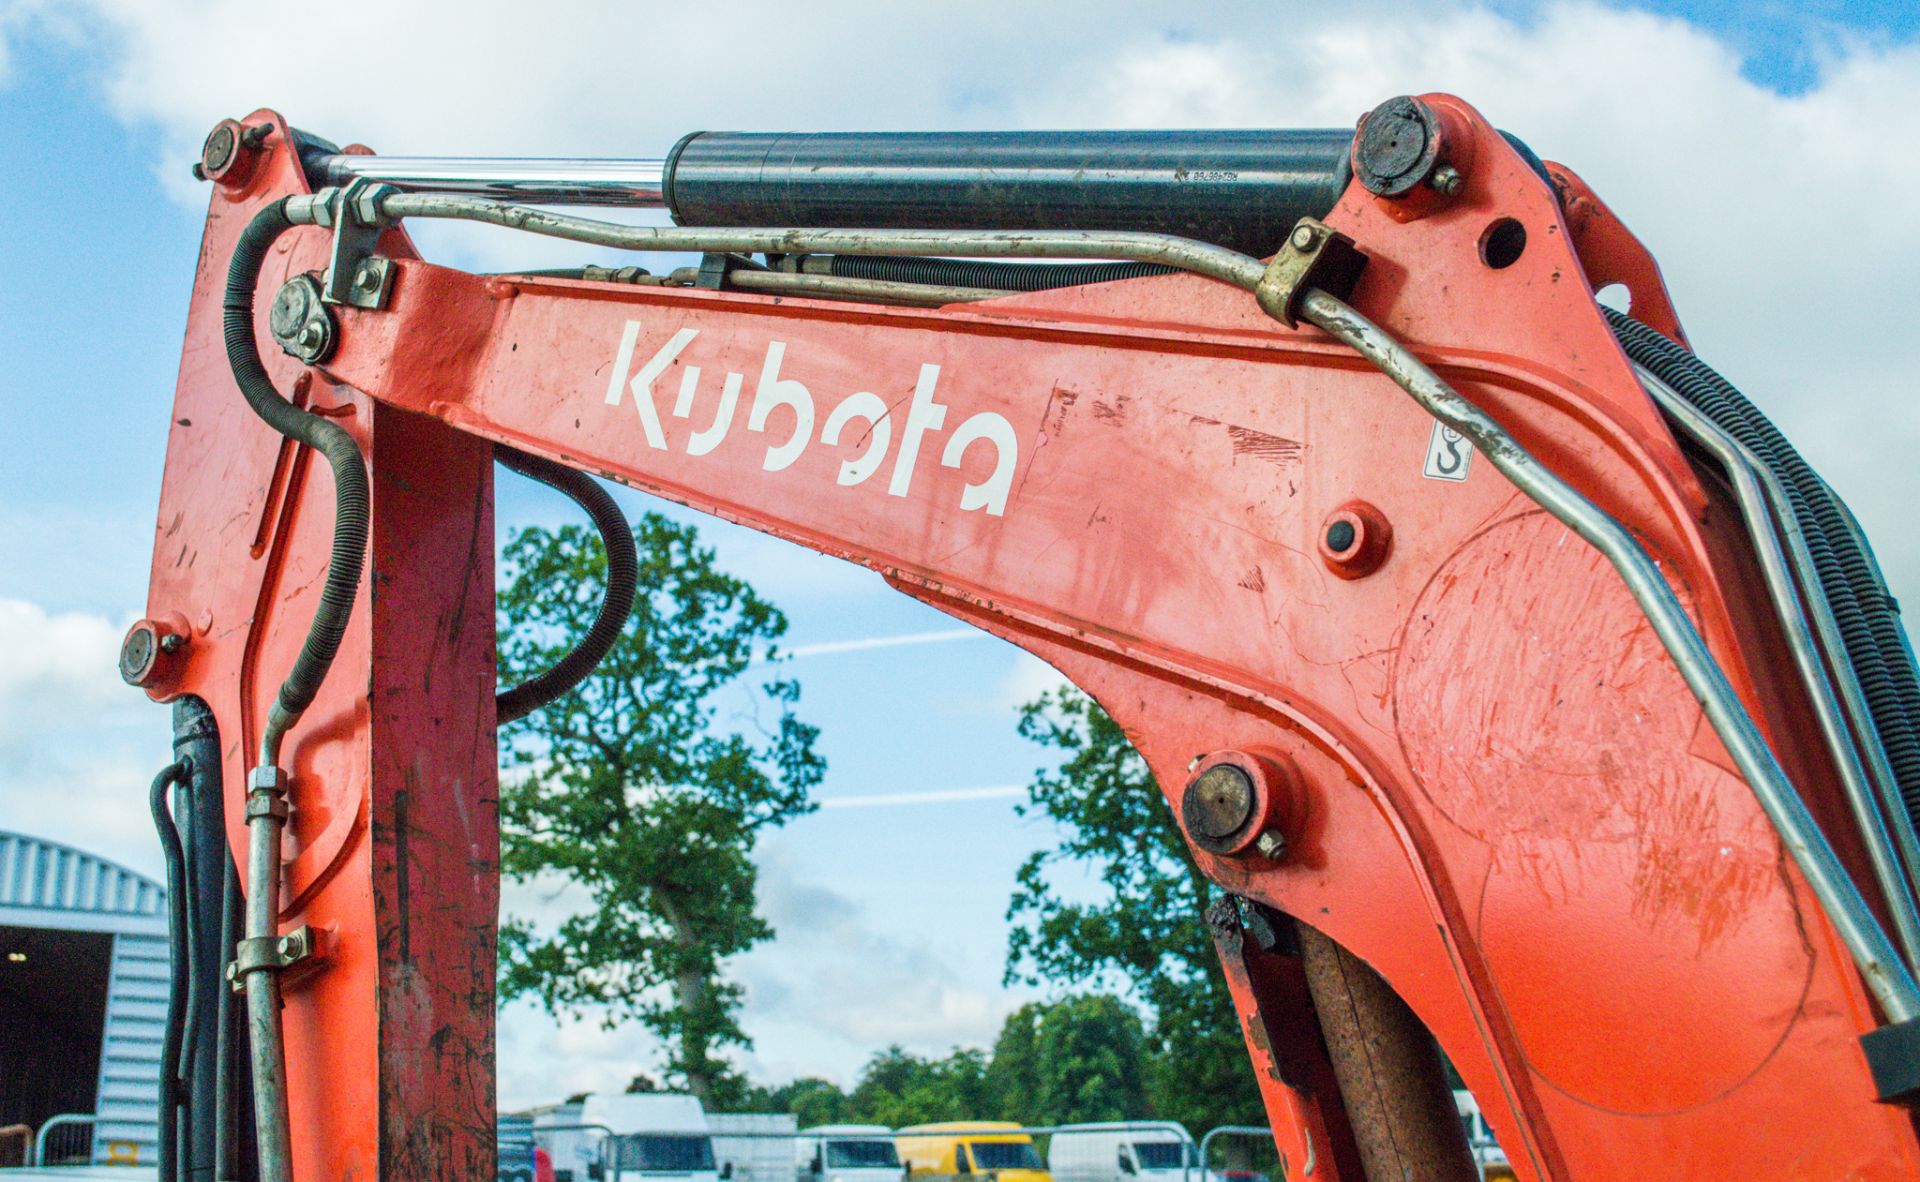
(1237,802)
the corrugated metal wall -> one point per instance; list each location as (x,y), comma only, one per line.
(35,873)
(130,1052)
(47,885)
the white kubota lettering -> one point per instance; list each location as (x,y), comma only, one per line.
(923,415)
(701,442)
(991,493)
(873,409)
(773,391)
(642,385)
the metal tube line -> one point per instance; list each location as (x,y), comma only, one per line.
(1762,503)
(1214,262)
(262,985)
(1879,964)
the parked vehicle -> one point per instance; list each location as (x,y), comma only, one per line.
(1487,1154)
(847,1153)
(1120,1152)
(642,1137)
(753,1146)
(971,1147)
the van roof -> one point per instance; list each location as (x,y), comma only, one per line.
(1000,1127)
(848,1130)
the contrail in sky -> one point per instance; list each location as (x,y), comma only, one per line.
(829,647)
(880,800)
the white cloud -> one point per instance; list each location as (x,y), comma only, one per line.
(77,745)
(833,970)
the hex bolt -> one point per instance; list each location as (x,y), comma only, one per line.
(1303,238)
(1271,845)
(366,277)
(1447,180)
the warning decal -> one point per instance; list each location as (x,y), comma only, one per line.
(1448,454)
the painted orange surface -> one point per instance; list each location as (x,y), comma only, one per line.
(1509,804)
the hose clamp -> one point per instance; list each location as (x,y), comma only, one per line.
(271,954)
(356,276)
(1314,255)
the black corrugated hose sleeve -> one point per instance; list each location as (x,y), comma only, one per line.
(328,438)
(623,579)
(173,1036)
(978,273)
(1866,615)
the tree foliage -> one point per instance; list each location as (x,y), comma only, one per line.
(1146,930)
(629,789)
(1077,1059)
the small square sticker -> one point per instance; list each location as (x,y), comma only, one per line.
(1449,455)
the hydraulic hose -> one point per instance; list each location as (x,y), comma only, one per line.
(351,502)
(1867,616)
(173,1036)
(623,580)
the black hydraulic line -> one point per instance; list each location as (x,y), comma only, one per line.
(234,1153)
(173,1033)
(1242,189)
(1865,613)
(351,502)
(981,273)
(203,833)
(623,580)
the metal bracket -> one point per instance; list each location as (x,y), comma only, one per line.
(716,267)
(271,954)
(1893,1056)
(356,276)
(1315,255)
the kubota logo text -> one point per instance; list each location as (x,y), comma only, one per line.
(860,415)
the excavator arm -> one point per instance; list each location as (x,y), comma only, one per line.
(1487,660)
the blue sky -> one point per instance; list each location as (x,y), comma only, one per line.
(890,913)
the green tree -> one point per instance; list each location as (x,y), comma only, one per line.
(1146,930)
(1078,1059)
(898,1088)
(628,789)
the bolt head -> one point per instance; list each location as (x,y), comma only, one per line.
(1271,845)
(1448,181)
(172,642)
(1302,238)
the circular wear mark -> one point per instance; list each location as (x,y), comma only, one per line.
(1635,902)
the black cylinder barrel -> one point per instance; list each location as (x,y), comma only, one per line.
(1239,189)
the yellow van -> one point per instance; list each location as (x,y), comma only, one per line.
(971,1149)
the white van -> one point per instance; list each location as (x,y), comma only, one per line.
(1123,1152)
(655,1137)
(847,1153)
